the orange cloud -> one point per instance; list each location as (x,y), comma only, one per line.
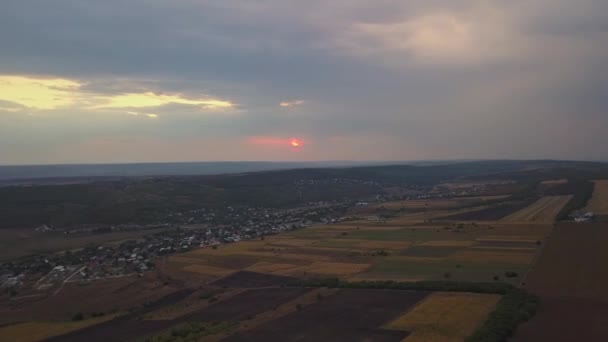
(289,104)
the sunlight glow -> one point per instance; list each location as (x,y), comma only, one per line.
(295,143)
(38,93)
(25,92)
(150,99)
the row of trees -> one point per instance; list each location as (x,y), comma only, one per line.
(448,286)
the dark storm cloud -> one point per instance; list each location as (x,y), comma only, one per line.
(425,79)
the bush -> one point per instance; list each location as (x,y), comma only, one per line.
(78,317)
(430,285)
(514,308)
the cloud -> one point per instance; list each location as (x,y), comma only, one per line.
(149,99)
(290,104)
(473,35)
(40,93)
(149,115)
(267,140)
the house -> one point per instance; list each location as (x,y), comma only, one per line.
(584,218)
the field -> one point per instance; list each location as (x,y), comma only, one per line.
(544,210)
(398,249)
(598,203)
(489,213)
(572,263)
(333,318)
(445,316)
(570,277)
(440,203)
(36,331)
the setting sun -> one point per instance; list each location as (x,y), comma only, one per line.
(295,143)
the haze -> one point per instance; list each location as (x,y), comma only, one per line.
(153,81)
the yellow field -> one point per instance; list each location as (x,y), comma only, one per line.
(37,331)
(598,203)
(446,316)
(543,211)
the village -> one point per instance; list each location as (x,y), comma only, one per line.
(202,228)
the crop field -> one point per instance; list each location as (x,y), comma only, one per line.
(125,292)
(37,331)
(452,268)
(487,213)
(439,203)
(573,263)
(598,203)
(383,251)
(571,279)
(333,318)
(544,210)
(445,316)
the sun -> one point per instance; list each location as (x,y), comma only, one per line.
(295,143)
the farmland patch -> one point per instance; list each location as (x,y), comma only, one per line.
(543,210)
(208,270)
(335,318)
(446,316)
(252,279)
(429,252)
(598,203)
(37,331)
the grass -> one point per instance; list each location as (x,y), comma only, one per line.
(192,331)
(337,268)
(37,331)
(414,269)
(430,251)
(446,316)
(413,234)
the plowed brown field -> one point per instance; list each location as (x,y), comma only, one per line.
(571,279)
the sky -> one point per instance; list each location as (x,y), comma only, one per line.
(88,81)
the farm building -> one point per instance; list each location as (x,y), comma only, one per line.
(584,218)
